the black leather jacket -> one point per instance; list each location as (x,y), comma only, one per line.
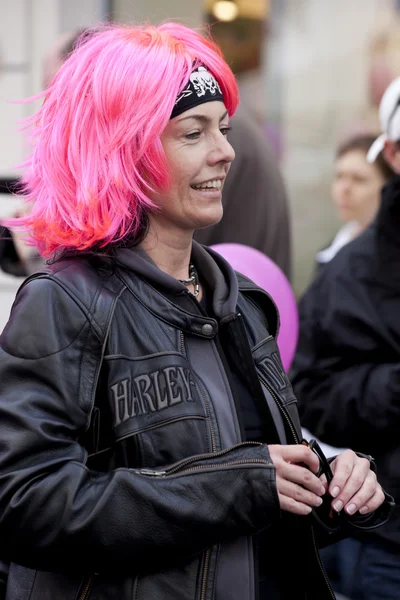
(346,373)
(122,468)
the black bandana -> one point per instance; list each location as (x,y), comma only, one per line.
(202,87)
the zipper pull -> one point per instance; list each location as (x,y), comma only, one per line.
(151,473)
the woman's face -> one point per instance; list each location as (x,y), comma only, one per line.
(356,188)
(199,156)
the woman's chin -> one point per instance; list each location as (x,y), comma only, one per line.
(209,219)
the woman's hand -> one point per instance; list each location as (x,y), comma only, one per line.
(299,490)
(354,486)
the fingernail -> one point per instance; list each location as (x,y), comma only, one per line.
(318,501)
(322,490)
(351,509)
(364,510)
(335,492)
(338,506)
(308,509)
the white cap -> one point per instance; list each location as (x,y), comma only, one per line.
(389,117)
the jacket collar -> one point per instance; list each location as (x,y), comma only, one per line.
(169,299)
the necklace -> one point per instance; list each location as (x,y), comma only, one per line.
(193,279)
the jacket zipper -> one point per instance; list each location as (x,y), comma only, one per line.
(292,429)
(282,410)
(213,450)
(204,467)
(233,463)
(183,344)
(322,567)
(182,469)
(180,466)
(87,584)
(205,574)
(213,444)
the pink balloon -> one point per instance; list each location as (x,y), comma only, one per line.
(265,273)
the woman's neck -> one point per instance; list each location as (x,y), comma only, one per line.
(171,253)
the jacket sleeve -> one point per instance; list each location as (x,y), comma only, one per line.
(347,387)
(54,511)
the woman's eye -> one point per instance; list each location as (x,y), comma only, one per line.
(225,130)
(193,136)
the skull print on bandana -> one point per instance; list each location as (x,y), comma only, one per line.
(203,81)
(202,87)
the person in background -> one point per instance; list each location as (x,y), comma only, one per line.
(356,191)
(356,194)
(150,442)
(346,372)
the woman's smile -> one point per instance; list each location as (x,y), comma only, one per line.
(199,157)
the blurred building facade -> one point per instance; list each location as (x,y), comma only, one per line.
(326,66)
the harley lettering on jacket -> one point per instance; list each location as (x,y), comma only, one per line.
(152,392)
(268,362)
(272,366)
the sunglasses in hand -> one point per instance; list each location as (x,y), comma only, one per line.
(324,516)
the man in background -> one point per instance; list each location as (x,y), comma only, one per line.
(346,373)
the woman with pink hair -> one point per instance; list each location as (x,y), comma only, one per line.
(149,439)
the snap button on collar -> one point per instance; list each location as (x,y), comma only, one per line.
(207,329)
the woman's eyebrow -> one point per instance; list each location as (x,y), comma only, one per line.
(202,118)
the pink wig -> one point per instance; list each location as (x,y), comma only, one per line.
(97,152)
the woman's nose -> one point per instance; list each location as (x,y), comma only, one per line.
(222,151)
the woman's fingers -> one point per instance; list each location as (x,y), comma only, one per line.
(324,482)
(298,493)
(295,454)
(299,489)
(303,477)
(288,504)
(354,486)
(342,468)
(353,476)
(289,461)
(355,496)
(368,495)
(374,502)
